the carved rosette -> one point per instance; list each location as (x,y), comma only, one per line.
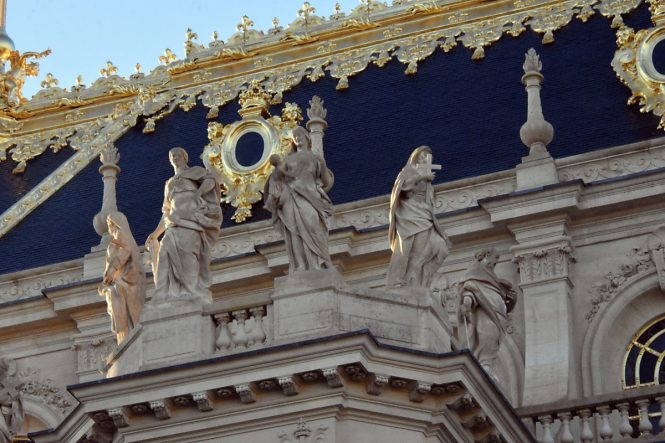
(542,264)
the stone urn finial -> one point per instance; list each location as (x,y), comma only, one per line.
(536,133)
(109,170)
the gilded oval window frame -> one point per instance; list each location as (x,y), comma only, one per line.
(255,125)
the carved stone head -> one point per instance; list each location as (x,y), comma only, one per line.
(300,138)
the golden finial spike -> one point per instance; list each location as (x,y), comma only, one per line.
(168,57)
(49,81)
(108,70)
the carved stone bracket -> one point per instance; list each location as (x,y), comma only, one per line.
(161,409)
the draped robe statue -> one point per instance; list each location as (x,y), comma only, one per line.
(191,220)
(418,243)
(123,283)
(296,196)
(11,407)
(485,301)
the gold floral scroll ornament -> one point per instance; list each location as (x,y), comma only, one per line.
(633,63)
(243,185)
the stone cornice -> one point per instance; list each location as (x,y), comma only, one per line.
(423,378)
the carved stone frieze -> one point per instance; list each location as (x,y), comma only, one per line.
(614,281)
(17,289)
(614,166)
(544,264)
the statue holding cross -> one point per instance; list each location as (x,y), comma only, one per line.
(419,245)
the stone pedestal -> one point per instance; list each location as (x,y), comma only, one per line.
(318,303)
(535,172)
(169,334)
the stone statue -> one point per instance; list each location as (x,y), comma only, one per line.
(296,196)
(418,243)
(11,407)
(123,283)
(191,221)
(485,301)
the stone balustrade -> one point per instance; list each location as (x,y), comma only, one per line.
(627,416)
(241,329)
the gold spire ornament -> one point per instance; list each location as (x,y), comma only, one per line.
(108,70)
(168,57)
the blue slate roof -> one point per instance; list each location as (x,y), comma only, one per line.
(468,111)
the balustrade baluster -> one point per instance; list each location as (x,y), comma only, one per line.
(586,434)
(605,428)
(546,422)
(661,422)
(645,424)
(239,335)
(566,435)
(223,334)
(625,429)
(257,334)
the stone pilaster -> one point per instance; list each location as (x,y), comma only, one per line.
(544,254)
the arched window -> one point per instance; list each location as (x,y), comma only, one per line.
(643,362)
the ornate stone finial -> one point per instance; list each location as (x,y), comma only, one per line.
(167,57)
(79,82)
(532,62)
(316,109)
(49,81)
(109,170)
(537,168)
(108,70)
(536,133)
(214,36)
(317,124)
(254,100)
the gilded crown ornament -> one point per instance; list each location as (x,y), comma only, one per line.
(254,100)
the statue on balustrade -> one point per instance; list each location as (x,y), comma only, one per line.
(418,243)
(191,221)
(123,283)
(485,301)
(296,196)
(11,407)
